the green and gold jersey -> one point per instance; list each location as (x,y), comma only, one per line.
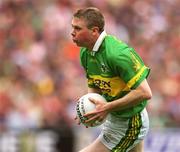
(115,69)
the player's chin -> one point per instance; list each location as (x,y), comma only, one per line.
(77,42)
(74,40)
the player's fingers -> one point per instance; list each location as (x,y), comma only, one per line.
(94,112)
(77,120)
(100,119)
(92,100)
(90,114)
(77,99)
(91,119)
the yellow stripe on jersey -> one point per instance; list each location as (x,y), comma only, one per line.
(112,86)
(115,85)
(134,79)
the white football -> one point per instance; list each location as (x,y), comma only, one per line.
(84,106)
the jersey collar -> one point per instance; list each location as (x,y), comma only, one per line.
(99,42)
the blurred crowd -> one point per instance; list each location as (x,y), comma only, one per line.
(40,74)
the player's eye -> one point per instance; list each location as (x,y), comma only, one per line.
(77,28)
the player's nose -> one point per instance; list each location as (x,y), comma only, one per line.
(73,33)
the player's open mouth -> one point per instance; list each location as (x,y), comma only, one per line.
(74,40)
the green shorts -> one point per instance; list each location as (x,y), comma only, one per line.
(122,134)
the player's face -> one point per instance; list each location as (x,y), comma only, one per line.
(81,35)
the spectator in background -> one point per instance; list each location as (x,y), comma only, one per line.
(5,108)
(56,119)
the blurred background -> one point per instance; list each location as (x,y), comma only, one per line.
(41,77)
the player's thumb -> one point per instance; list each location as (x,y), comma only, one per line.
(92,100)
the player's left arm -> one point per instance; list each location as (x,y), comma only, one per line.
(131,68)
(134,97)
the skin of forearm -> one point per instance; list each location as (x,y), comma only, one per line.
(131,99)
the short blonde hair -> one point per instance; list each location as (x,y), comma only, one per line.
(92,16)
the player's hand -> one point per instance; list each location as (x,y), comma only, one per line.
(77,120)
(99,114)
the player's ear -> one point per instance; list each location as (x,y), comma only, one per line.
(95,30)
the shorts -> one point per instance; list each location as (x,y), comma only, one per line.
(122,134)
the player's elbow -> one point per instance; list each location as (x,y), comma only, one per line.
(145,90)
(148,95)
(145,93)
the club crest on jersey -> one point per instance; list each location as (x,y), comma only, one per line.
(104,68)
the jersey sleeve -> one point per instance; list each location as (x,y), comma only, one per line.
(129,66)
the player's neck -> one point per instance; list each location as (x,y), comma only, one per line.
(92,42)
